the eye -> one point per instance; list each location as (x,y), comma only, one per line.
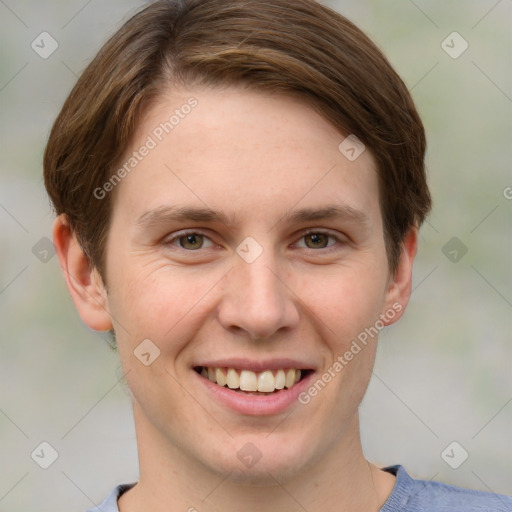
(190,241)
(195,240)
(318,240)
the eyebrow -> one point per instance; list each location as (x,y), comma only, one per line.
(167,214)
(335,212)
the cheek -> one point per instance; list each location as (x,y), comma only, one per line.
(346,302)
(161,304)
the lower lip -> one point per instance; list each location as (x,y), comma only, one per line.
(254,405)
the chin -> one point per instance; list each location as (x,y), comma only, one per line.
(259,461)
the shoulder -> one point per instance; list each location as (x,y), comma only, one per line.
(411,495)
(110,503)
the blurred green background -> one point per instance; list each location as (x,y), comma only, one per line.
(443,374)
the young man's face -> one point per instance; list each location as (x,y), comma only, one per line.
(259,294)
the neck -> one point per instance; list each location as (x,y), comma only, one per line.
(171,480)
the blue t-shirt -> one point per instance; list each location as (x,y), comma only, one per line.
(409,495)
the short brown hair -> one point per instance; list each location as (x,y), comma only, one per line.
(299,47)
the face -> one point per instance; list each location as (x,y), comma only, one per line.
(242,247)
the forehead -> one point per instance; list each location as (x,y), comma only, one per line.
(241,152)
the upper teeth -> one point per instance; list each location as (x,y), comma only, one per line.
(246,380)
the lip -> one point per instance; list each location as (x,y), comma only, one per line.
(256,365)
(253,405)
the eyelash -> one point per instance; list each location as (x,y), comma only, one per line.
(309,232)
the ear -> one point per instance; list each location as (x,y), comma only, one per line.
(400,284)
(83,281)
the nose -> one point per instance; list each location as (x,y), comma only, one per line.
(257,299)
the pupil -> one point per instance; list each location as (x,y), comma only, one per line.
(191,241)
(316,238)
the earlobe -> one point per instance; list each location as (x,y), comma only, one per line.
(400,284)
(83,281)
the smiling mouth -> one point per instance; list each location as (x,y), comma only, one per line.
(268,381)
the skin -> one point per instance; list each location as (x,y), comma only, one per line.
(256,158)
